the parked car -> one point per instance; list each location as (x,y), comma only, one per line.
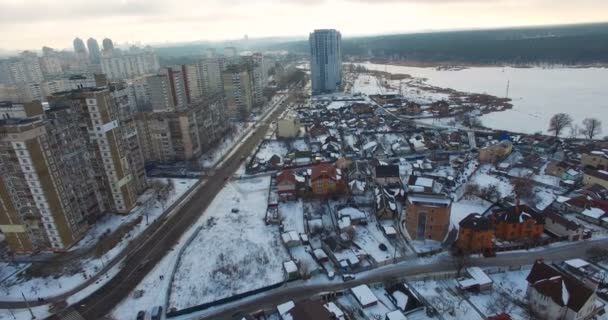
(157,312)
(141,315)
(348,277)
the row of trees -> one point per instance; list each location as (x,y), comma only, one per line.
(590,128)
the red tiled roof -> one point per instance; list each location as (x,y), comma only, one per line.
(286,176)
(321,170)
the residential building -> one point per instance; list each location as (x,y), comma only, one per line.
(553,294)
(475,234)
(94,52)
(99,117)
(595,159)
(168,90)
(193,82)
(592,176)
(24,69)
(108,45)
(210,73)
(560,226)
(238,91)
(288,127)
(387,174)
(181,134)
(48,192)
(325,60)
(427,216)
(287,185)
(126,65)
(259,77)
(386,205)
(519,222)
(326,180)
(495,152)
(80,50)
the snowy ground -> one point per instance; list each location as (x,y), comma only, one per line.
(210,159)
(81,270)
(484,179)
(235,245)
(271,148)
(463,208)
(293,215)
(440,295)
(369,237)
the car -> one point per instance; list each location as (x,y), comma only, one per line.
(157,312)
(141,315)
(348,277)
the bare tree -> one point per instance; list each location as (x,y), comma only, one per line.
(591,127)
(500,304)
(559,122)
(461,260)
(471,189)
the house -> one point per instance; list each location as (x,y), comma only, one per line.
(291,269)
(362,108)
(359,170)
(519,222)
(595,159)
(560,226)
(387,174)
(412,108)
(427,216)
(441,107)
(553,294)
(476,280)
(364,296)
(556,168)
(395,315)
(386,206)
(495,152)
(420,184)
(288,127)
(326,180)
(475,234)
(305,310)
(592,176)
(287,185)
(317,130)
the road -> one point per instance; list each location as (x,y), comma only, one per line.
(301,289)
(142,256)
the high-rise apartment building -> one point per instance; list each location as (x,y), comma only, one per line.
(325,60)
(79,45)
(99,117)
(128,65)
(94,52)
(23,69)
(108,45)
(182,134)
(48,193)
(238,91)
(259,76)
(210,73)
(168,90)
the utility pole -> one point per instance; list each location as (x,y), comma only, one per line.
(508,83)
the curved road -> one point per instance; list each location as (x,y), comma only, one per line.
(305,289)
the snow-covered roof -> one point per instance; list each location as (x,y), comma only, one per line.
(430,199)
(388,230)
(577,263)
(562,199)
(285,307)
(334,309)
(353,213)
(395,315)
(595,213)
(425,182)
(320,254)
(290,266)
(364,295)
(290,236)
(400,299)
(478,277)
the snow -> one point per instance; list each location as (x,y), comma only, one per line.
(364,295)
(369,237)
(478,277)
(369,85)
(285,307)
(235,245)
(335,310)
(537,93)
(424,182)
(69,279)
(292,214)
(565,294)
(395,315)
(215,155)
(271,148)
(461,209)
(353,213)
(577,263)
(401,299)
(594,213)
(290,267)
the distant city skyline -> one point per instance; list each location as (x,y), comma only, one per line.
(22,26)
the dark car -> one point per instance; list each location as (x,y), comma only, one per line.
(141,315)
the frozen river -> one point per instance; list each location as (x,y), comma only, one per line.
(537,93)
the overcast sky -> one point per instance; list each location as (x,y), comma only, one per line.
(30,24)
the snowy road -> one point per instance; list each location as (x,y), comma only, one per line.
(301,290)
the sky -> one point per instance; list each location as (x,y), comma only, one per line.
(31,24)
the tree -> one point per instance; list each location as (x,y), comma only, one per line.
(591,127)
(559,122)
(471,190)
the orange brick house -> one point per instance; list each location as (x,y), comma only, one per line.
(475,234)
(326,180)
(519,222)
(427,216)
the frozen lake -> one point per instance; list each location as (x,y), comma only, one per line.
(537,93)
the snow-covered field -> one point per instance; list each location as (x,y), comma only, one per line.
(537,93)
(464,207)
(215,155)
(230,246)
(270,148)
(89,266)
